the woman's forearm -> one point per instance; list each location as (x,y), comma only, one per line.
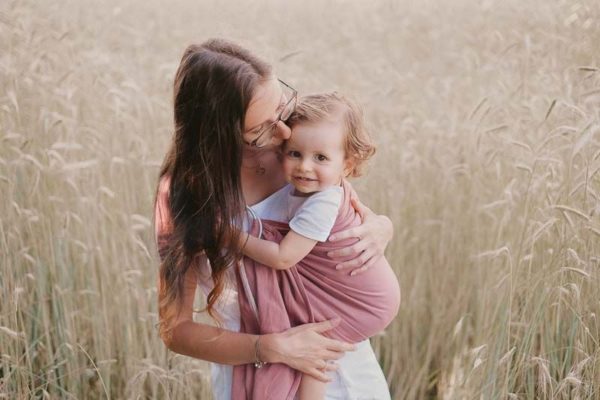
(208,342)
(302,347)
(211,343)
(220,345)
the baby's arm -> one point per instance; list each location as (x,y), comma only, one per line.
(293,248)
(312,222)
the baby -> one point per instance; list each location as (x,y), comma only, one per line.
(328,143)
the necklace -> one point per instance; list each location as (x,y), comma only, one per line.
(258,168)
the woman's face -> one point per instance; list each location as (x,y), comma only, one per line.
(263,110)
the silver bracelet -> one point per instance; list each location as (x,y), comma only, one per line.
(258,363)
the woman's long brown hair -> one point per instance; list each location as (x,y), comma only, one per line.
(213,86)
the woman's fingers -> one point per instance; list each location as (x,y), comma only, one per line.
(332,345)
(350,251)
(349,233)
(360,208)
(332,366)
(308,351)
(359,270)
(318,327)
(365,267)
(318,374)
(356,262)
(333,355)
(338,346)
(323,326)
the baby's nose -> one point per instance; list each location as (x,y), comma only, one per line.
(305,164)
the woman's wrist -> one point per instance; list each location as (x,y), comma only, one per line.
(270,348)
(259,360)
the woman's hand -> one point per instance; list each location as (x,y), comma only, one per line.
(305,349)
(374,234)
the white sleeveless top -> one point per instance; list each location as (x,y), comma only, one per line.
(359,376)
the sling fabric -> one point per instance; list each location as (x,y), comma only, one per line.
(311,291)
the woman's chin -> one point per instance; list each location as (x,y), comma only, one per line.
(251,150)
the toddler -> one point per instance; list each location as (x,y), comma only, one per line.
(328,143)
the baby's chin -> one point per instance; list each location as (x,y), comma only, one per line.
(301,192)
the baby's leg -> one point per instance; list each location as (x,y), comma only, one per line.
(311,389)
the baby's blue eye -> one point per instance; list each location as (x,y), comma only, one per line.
(294,153)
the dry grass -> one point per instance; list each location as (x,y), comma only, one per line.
(487,118)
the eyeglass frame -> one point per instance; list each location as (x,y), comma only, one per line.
(271,126)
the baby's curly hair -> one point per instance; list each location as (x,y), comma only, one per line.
(323,106)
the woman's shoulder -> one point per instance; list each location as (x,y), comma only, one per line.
(164,185)
(163,223)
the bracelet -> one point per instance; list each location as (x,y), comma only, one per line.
(258,363)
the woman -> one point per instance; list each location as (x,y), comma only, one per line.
(229,112)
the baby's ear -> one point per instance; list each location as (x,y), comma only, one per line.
(349,164)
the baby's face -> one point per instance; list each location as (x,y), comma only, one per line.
(314,157)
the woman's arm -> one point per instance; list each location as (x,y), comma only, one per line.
(302,348)
(293,248)
(374,234)
(204,341)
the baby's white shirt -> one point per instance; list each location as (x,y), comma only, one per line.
(314,216)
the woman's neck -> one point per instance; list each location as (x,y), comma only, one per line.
(261,174)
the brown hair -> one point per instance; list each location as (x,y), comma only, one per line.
(322,106)
(213,86)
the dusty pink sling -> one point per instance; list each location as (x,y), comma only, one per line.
(311,291)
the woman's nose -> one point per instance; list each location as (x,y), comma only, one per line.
(283,131)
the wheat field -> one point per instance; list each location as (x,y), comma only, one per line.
(487,119)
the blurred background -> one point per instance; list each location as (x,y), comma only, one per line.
(486,116)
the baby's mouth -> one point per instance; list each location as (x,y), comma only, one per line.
(301,178)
